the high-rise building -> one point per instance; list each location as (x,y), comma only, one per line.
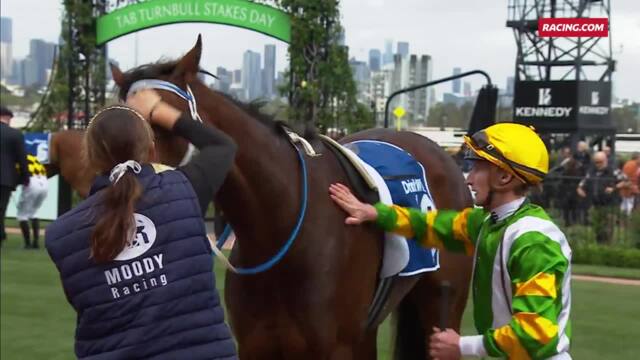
(281,78)
(409,71)
(16,72)
(30,72)
(388,52)
(269,81)
(403,49)
(467,89)
(375,58)
(379,90)
(237,76)
(6,55)
(42,53)
(457,82)
(511,81)
(224,81)
(361,76)
(251,75)
(342,41)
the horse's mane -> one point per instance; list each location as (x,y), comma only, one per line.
(166,68)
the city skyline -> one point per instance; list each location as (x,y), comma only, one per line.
(480,31)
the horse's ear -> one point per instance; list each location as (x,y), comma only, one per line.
(116,73)
(190,63)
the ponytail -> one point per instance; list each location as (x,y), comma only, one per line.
(113,231)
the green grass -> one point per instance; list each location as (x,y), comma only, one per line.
(597,270)
(37,323)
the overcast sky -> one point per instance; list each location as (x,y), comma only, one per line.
(470,34)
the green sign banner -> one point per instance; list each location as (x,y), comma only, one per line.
(240,13)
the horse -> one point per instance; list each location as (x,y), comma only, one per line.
(314,303)
(66,159)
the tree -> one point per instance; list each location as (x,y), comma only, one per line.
(627,118)
(79,52)
(319,85)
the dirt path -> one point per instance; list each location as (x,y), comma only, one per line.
(608,280)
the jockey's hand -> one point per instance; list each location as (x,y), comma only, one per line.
(358,211)
(445,345)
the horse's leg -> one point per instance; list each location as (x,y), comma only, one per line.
(367,349)
(426,297)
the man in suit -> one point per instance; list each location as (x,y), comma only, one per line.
(13,162)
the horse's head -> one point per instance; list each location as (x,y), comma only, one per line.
(170,149)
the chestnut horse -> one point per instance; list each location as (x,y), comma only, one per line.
(313,304)
(66,159)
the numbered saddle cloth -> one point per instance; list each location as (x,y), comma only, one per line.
(401,180)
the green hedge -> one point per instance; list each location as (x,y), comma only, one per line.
(606,255)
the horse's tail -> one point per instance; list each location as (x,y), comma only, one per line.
(410,336)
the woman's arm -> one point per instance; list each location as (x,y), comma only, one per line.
(208,169)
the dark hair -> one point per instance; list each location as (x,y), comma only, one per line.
(5,112)
(115,135)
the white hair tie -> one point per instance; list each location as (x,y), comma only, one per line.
(118,171)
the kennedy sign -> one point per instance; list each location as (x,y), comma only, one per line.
(241,13)
(563,106)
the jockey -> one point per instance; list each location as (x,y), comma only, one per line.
(31,199)
(521,281)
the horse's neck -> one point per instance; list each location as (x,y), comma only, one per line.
(263,186)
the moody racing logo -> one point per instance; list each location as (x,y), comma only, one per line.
(137,276)
(144,236)
(142,274)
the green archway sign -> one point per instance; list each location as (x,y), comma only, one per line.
(241,13)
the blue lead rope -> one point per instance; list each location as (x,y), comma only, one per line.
(285,248)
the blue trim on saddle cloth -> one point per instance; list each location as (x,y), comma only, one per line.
(37,144)
(406,180)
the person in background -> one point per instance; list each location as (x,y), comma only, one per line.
(610,158)
(13,163)
(134,257)
(522,276)
(630,192)
(598,187)
(30,201)
(582,154)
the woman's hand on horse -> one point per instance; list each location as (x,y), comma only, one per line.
(149,104)
(144,101)
(358,211)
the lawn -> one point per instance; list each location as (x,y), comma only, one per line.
(37,323)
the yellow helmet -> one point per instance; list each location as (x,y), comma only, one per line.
(513,147)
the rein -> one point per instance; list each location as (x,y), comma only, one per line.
(193,108)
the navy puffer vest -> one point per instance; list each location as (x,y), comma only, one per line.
(158,298)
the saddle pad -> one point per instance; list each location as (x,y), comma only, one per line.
(37,144)
(404,179)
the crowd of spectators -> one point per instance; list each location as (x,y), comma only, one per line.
(593,188)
